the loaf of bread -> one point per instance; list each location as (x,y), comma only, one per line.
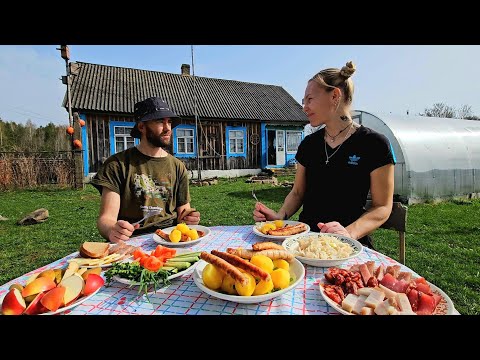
(94,250)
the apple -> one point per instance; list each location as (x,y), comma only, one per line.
(93,283)
(37,286)
(35,307)
(13,303)
(73,288)
(53,299)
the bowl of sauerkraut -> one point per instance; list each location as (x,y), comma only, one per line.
(322,249)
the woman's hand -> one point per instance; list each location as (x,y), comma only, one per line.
(192,219)
(333,227)
(264,213)
(122,230)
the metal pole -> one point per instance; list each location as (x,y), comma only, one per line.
(199,171)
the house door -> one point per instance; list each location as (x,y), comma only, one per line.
(280,147)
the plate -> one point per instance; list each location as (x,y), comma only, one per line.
(168,230)
(291,245)
(296,269)
(183,272)
(65,308)
(286,222)
(444,307)
(72,305)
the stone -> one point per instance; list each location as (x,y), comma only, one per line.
(3,218)
(35,217)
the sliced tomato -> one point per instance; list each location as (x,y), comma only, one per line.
(162,251)
(138,253)
(152,264)
(143,259)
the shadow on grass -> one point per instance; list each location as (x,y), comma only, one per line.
(273,194)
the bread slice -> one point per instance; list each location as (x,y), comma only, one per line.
(94,250)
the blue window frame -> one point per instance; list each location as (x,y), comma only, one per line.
(120,138)
(236,141)
(184,141)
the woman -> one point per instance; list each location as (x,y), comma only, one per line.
(338,165)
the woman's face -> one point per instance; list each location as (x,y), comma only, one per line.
(317,103)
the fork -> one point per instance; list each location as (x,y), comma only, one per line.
(254,196)
(149,213)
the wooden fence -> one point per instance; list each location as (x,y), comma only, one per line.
(20,170)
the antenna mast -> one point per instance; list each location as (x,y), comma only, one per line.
(199,172)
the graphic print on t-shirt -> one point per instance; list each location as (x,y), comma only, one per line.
(149,188)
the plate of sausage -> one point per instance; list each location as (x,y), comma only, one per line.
(280,229)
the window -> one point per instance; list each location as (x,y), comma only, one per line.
(294,138)
(236,138)
(123,140)
(236,141)
(185,141)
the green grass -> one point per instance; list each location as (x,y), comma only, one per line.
(442,239)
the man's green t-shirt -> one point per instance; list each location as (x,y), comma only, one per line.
(145,183)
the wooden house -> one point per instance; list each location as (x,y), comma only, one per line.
(240,125)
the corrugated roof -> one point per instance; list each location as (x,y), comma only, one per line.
(116,89)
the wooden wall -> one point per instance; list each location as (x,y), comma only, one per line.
(212,143)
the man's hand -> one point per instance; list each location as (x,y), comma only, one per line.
(192,219)
(122,230)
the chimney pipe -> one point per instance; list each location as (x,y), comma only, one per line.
(185,70)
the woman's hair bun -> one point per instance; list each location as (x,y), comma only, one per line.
(348,70)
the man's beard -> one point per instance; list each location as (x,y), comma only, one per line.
(157,141)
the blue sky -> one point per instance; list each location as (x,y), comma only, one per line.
(389,78)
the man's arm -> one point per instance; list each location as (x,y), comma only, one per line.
(107,223)
(191,219)
(381,190)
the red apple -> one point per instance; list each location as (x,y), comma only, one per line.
(13,303)
(35,307)
(40,284)
(53,299)
(92,283)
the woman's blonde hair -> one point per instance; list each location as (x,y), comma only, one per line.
(337,78)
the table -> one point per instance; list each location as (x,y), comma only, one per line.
(183,297)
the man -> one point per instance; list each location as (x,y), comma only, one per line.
(144,178)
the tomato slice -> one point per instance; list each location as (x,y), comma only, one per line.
(138,253)
(152,264)
(162,251)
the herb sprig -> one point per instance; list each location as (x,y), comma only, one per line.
(134,272)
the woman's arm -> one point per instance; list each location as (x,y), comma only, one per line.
(381,190)
(294,199)
(291,204)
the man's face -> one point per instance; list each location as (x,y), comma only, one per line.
(159,132)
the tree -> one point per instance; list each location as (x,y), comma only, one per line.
(440,110)
(445,111)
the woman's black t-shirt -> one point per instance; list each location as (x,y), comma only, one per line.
(338,191)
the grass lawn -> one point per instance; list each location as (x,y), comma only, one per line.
(443,240)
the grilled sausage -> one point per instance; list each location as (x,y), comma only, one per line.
(243,264)
(266,245)
(288,230)
(225,267)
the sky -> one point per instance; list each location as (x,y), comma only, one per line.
(389,78)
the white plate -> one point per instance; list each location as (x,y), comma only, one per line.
(183,272)
(168,230)
(65,308)
(256,229)
(291,245)
(296,269)
(72,305)
(444,307)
